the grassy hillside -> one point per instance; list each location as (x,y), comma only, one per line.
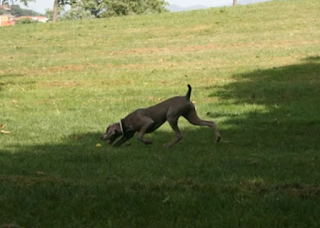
(255,71)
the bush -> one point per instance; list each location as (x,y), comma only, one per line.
(26,21)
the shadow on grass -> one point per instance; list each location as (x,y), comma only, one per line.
(284,107)
(315,58)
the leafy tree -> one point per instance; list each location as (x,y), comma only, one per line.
(129,7)
(77,12)
(2,11)
(95,7)
(49,14)
(110,8)
(58,4)
(17,11)
(58,10)
(6,2)
(81,9)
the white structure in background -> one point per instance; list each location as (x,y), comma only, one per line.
(34,18)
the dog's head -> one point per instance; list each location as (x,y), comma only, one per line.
(112,133)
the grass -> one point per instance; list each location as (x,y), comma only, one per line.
(254,71)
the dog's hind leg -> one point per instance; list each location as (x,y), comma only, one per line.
(173,121)
(194,119)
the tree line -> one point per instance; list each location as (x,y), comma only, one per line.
(17,11)
(81,9)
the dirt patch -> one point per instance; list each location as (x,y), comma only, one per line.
(59,69)
(141,51)
(276,44)
(200,28)
(66,84)
(126,66)
(114,99)
(49,101)
(64,68)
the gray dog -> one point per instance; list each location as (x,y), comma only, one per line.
(149,119)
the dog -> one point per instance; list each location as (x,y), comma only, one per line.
(149,119)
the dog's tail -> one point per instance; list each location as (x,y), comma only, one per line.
(189,92)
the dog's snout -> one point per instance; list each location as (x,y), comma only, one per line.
(103,137)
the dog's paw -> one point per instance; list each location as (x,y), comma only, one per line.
(147,142)
(167,145)
(218,139)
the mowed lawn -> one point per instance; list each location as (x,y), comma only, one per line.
(255,71)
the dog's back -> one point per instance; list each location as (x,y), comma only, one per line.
(160,112)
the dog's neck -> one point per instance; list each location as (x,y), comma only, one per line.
(121,126)
(125,127)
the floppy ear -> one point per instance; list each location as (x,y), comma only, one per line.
(111,130)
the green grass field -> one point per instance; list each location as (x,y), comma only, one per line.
(255,71)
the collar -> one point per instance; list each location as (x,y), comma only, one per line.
(121,127)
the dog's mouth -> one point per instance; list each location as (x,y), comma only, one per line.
(111,138)
(104,137)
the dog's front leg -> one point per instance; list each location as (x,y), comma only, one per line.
(174,125)
(124,138)
(147,123)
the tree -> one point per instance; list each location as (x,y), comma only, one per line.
(95,7)
(2,11)
(129,7)
(55,10)
(110,8)
(58,4)
(6,2)
(77,12)
(17,11)
(14,8)
(234,2)
(81,9)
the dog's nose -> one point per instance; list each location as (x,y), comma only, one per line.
(103,137)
